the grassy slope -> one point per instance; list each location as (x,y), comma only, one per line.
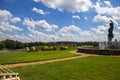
(90,68)
(33,56)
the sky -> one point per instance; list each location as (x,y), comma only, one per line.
(58,20)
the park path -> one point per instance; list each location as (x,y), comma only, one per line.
(81,55)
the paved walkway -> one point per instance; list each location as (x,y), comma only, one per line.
(49,61)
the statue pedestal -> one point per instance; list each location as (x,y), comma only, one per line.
(103,45)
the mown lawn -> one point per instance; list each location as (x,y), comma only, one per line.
(33,56)
(89,68)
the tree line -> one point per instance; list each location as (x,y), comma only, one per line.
(11,44)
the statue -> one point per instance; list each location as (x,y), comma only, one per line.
(110,33)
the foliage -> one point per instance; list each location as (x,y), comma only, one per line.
(48,48)
(89,68)
(11,44)
(63,48)
(2,45)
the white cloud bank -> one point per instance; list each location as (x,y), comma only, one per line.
(41,30)
(69,5)
(106,12)
(42,24)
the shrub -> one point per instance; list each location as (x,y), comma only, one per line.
(63,48)
(45,48)
(54,48)
(48,48)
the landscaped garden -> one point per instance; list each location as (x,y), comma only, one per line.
(89,68)
(34,56)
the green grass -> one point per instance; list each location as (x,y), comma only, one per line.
(89,68)
(33,56)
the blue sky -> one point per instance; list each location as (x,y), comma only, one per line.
(63,20)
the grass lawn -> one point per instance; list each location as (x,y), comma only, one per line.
(33,56)
(89,68)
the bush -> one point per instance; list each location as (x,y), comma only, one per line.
(48,48)
(63,48)
(45,48)
(54,48)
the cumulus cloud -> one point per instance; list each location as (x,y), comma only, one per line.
(76,17)
(39,11)
(5,17)
(15,20)
(29,22)
(69,29)
(42,24)
(107,10)
(71,5)
(107,3)
(5,26)
(86,33)
(100,18)
(100,29)
(68,33)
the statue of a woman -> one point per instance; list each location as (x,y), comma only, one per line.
(110,32)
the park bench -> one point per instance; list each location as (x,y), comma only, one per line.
(7,74)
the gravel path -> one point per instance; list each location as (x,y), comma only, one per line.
(49,61)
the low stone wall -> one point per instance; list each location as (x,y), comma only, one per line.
(100,52)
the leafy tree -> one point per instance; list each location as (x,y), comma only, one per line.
(2,45)
(11,44)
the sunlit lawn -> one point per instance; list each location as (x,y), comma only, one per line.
(89,68)
(33,56)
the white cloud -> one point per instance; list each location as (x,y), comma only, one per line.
(15,20)
(41,24)
(76,17)
(5,15)
(70,28)
(86,33)
(85,18)
(39,11)
(71,5)
(68,33)
(103,19)
(118,28)
(29,22)
(5,26)
(100,29)
(108,10)
(107,3)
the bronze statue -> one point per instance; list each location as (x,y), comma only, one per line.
(110,32)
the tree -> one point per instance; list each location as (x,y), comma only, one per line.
(19,45)
(11,44)
(2,45)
